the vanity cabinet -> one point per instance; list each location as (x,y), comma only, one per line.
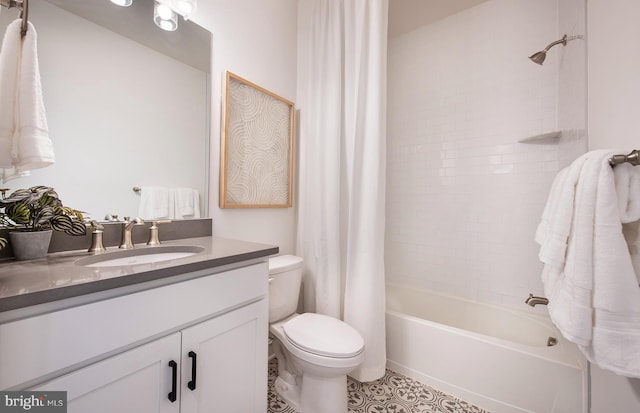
(196,345)
(225,352)
(137,380)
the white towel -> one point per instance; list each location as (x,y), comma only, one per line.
(594,298)
(155,203)
(554,229)
(24,134)
(631,233)
(187,203)
(627,179)
(9,66)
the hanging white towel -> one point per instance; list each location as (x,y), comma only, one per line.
(627,179)
(155,203)
(9,65)
(187,203)
(593,292)
(24,134)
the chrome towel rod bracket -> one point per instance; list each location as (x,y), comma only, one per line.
(632,157)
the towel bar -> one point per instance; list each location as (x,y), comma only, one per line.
(632,157)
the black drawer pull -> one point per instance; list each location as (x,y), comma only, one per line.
(192,384)
(173,395)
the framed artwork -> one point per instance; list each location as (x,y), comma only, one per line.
(256,156)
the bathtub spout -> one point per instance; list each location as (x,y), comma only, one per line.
(533,300)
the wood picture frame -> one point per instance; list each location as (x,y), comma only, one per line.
(256,154)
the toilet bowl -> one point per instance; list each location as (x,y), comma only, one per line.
(315,352)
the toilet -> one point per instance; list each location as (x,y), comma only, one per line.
(315,352)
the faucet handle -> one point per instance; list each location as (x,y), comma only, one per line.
(154,238)
(94,225)
(97,246)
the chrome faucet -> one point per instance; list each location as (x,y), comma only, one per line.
(127,228)
(533,300)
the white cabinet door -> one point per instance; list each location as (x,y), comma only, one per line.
(230,354)
(136,381)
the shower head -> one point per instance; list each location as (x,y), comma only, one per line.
(539,57)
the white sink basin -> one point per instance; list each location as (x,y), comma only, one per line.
(140,256)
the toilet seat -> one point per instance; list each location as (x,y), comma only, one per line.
(323,336)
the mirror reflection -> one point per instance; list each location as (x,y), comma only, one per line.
(121,113)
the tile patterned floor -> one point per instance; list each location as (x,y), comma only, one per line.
(394,393)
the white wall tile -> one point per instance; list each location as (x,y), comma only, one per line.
(464,196)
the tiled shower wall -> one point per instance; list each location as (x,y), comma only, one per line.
(463,196)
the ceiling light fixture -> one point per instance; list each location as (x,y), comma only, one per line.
(123,3)
(184,7)
(164,17)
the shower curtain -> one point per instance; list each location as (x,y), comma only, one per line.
(342,115)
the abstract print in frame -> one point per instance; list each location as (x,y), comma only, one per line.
(256,157)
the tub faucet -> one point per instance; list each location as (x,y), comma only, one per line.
(533,300)
(127,227)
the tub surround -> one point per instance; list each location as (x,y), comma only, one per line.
(57,277)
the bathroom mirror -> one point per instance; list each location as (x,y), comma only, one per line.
(127,103)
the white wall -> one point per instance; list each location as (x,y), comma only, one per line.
(464,197)
(614,122)
(257,41)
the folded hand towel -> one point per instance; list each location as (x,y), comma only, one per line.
(155,203)
(187,203)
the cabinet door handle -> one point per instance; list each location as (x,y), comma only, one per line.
(192,384)
(174,381)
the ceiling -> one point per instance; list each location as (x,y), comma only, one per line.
(408,15)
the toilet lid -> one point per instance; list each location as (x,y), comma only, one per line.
(323,335)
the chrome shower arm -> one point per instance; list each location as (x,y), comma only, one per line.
(562,41)
(539,57)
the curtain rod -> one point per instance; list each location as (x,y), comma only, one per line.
(632,157)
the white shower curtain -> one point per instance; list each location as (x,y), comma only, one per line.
(342,102)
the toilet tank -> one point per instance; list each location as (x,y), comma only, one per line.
(285,276)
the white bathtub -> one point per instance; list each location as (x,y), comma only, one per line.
(494,357)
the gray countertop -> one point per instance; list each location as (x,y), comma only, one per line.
(58,277)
